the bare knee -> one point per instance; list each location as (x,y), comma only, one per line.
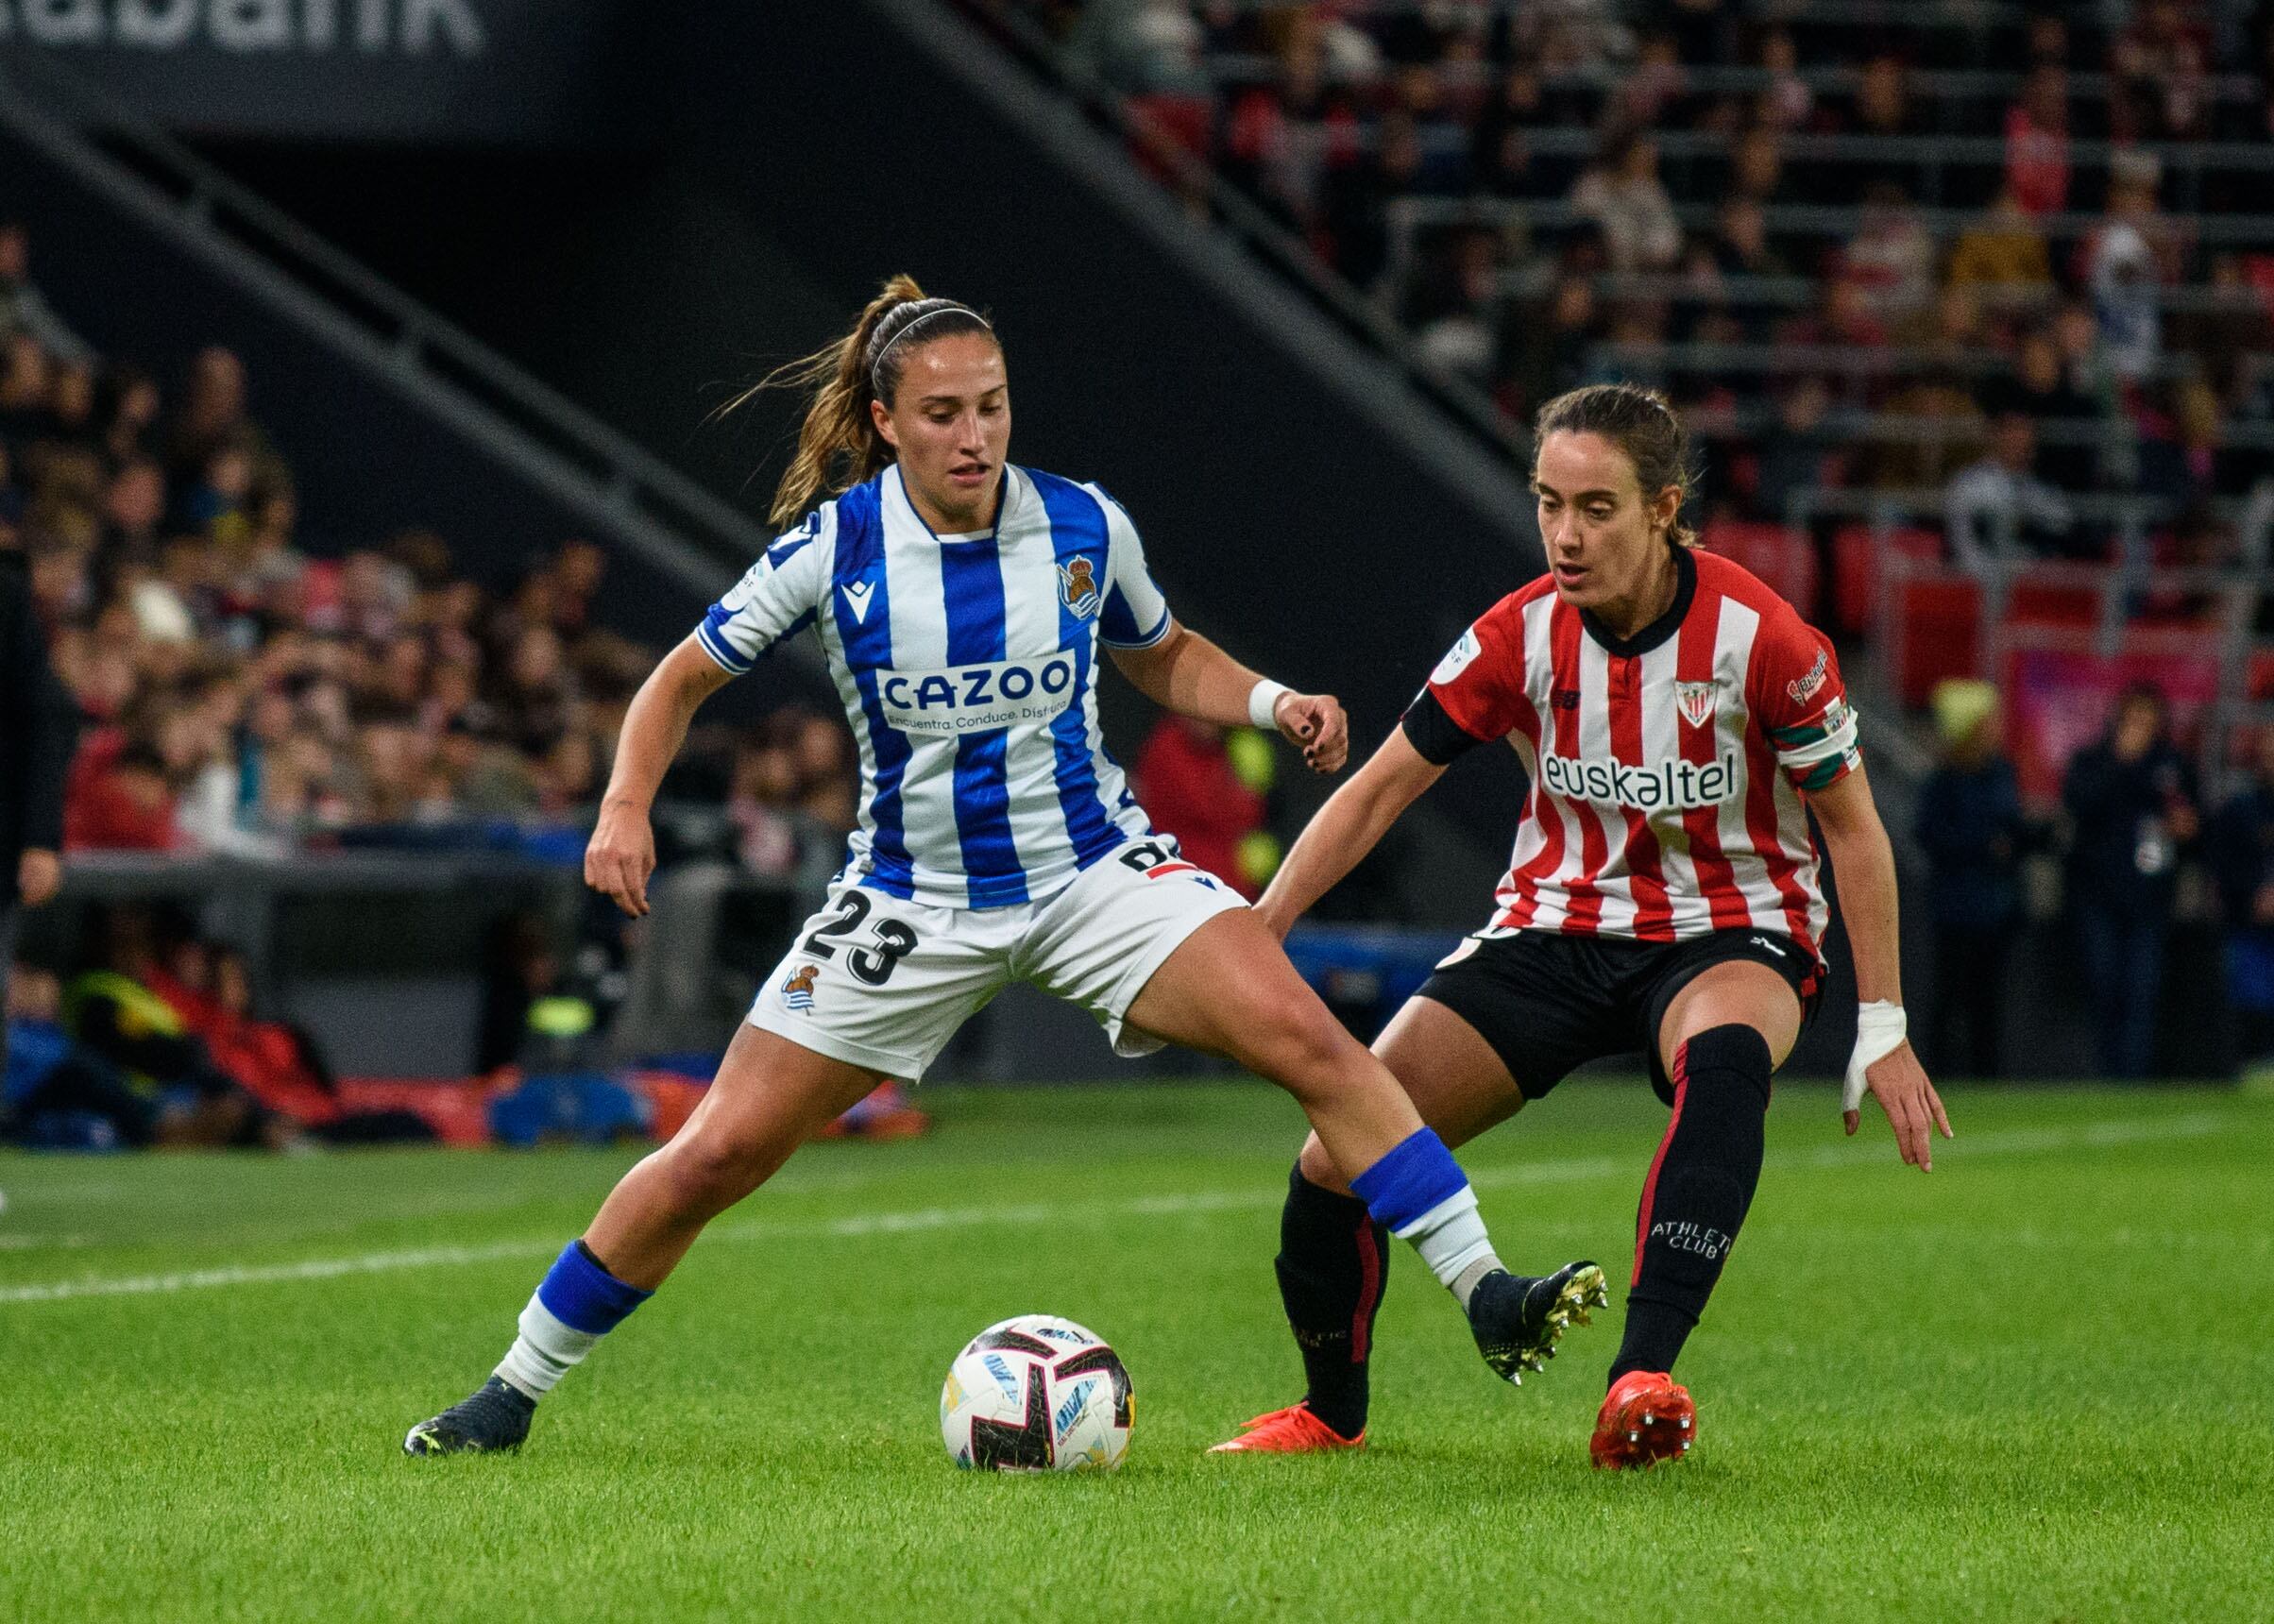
(1307,1051)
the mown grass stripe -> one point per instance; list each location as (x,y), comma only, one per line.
(2013,1142)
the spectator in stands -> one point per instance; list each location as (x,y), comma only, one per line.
(2037,143)
(2124,266)
(1800,456)
(2229,332)
(1757,166)
(2240,848)
(1881,106)
(2181,457)
(2161,64)
(23,382)
(1999,507)
(2131,805)
(22,309)
(2002,254)
(1969,823)
(1550,354)
(57,1094)
(1943,431)
(1623,194)
(1788,102)
(2037,389)
(111,1010)
(125,414)
(1893,256)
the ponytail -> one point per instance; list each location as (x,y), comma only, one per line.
(838,444)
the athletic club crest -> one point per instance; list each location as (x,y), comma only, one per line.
(1695,701)
(1078,586)
(798,990)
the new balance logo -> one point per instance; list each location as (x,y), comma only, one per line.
(856,598)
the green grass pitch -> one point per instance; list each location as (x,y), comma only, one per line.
(2031,1385)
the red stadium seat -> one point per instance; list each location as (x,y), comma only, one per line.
(1937,632)
(2037,603)
(1858,551)
(1780,555)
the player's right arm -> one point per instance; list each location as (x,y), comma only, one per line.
(1349,826)
(622,852)
(777,596)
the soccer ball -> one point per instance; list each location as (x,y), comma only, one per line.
(1037,1394)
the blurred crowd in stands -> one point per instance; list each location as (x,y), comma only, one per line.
(2009,254)
(241,694)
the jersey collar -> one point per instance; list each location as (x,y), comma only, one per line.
(1658,631)
(1005,502)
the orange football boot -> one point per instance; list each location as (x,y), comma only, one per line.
(1646,1417)
(1290,1431)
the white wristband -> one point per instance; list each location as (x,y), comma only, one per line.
(1263,703)
(1879,1032)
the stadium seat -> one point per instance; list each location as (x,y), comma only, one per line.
(1940,623)
(2034,601)
(1780,554)
(1858,580)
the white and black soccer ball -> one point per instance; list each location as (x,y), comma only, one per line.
(1037,1394)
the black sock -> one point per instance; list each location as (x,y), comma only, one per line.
(1697,1193)
(1332,1264)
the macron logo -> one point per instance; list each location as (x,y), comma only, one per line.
(857,597)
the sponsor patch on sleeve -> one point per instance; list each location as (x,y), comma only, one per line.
(1457,658)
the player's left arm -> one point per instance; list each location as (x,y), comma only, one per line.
(1797,697)
(1864,863)
(1186,673)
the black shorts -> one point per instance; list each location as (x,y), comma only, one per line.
(1548,1001)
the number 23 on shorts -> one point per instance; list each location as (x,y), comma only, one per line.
(893,940)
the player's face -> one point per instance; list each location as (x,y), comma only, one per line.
(1606,544)
(950,422)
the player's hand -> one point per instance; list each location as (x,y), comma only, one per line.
(621,857)
(1913,1109)
(1315,723)
(39,875)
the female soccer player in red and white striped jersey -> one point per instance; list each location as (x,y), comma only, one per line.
(1678,721)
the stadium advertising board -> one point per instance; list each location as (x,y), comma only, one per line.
(535,71)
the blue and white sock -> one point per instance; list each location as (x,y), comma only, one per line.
(576,1304)
(1420,1193)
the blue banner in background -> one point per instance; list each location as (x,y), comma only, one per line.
(536,73)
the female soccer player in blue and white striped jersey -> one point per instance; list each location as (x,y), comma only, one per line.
(961,603)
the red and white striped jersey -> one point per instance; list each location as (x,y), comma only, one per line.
(1667,768)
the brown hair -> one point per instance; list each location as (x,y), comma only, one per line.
(1641,424)
(837,446)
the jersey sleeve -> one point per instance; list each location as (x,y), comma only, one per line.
(1135,614)
(1801,703)
(777,596)
(1477,691)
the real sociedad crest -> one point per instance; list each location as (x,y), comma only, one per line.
(1695,701)
(1078,586)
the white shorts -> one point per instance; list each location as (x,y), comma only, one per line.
(881,983)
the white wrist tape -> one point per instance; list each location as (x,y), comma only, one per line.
(1879,1032)
(1263,703)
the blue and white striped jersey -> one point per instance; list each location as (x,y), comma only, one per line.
(967,665)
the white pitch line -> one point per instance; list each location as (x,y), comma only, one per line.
(2015,1141)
